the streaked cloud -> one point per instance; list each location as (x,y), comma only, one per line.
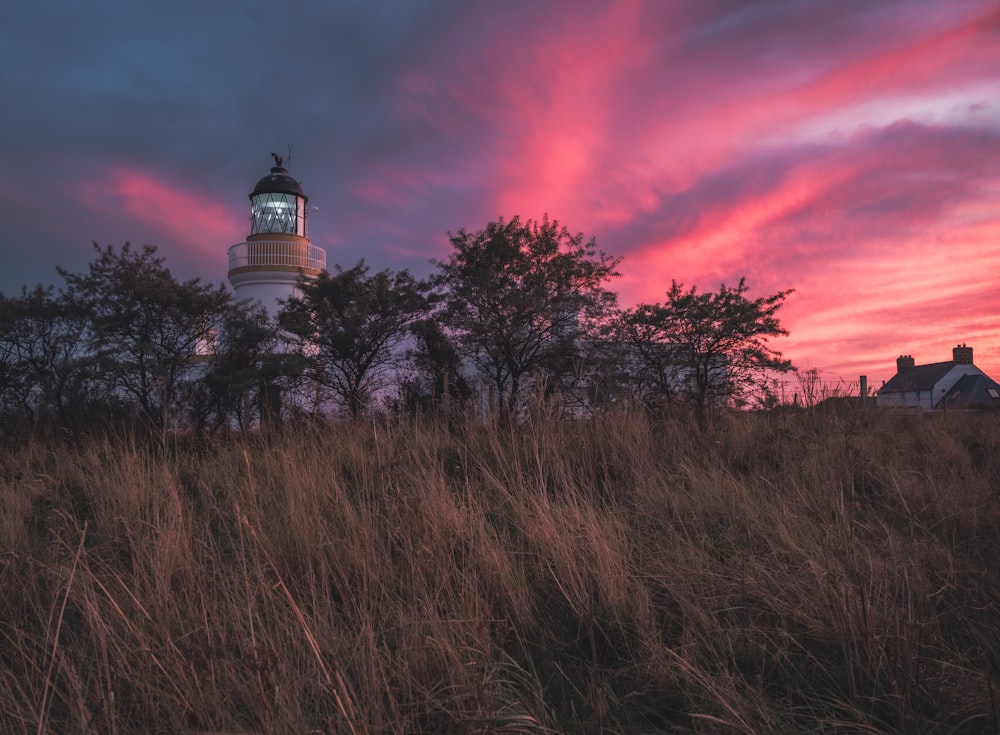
(184,216)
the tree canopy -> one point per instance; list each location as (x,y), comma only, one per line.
(708,347)
(145,326)
(45,371)
(351,325)
(522,305)
(519,296)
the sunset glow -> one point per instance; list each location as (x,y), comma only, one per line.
(848,151)
(193,221)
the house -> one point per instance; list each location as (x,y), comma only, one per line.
(940,386)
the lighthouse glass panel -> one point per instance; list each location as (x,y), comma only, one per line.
(273,212)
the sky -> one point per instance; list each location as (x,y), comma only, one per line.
(846,149)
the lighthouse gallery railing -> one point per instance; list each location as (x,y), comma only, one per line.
(276,253)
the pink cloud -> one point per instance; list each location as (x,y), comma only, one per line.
(932,60)
(596,135)
(888,238)
(190,219)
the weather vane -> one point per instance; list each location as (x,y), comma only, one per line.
(278,160)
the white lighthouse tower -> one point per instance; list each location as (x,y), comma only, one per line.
(277,251)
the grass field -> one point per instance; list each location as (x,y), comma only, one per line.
(756,573)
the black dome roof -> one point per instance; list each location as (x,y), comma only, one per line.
(278,182)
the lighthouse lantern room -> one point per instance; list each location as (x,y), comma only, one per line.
(277,252)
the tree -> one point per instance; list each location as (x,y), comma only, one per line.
(247,361)
(145,326)
(437,383)
(707,347)
(351,325)
(519,297)
(47,370)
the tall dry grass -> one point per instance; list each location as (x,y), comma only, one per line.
(759,573)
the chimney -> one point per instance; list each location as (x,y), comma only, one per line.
(904,362)
(961,354)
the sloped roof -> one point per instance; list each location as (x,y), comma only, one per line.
(974,391)
(917,378)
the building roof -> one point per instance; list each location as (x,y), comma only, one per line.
(917,378)
(278,182)
(974,391)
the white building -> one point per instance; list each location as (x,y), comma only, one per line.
(267,266)
(940,386)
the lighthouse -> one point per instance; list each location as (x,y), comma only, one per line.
(277,252)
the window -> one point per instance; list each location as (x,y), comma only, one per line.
(277,213)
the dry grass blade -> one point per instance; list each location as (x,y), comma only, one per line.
(44,705)
(335,681)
